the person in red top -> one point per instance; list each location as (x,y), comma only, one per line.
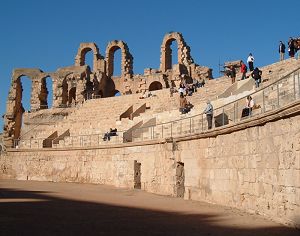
(243,70)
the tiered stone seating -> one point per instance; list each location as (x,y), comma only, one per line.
(88,122)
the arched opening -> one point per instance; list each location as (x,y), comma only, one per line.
(171,53)
(22,102)
(174,52)
(25,93)
(114,61)
(88,59)
(72,96)
(155,86)
(49,84)
(117,93)
(117,63)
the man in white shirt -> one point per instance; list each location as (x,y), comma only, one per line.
(250,61)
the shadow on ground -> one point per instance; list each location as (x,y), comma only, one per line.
(56,216)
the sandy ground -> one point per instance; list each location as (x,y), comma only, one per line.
(44,208)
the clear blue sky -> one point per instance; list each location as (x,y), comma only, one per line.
(46,34)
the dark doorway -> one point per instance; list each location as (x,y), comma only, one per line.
(155,86)
(137,175)
(72,96)
(179,187)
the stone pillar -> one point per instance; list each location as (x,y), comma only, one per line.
(57,86)
(80,89)
(36,89)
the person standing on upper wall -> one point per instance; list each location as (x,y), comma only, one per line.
(250,61)
(281,50)
(291,48)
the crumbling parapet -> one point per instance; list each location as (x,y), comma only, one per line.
(200,72)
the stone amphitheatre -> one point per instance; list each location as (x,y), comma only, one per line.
(250,163)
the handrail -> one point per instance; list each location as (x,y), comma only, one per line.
(41,142)
(257,91)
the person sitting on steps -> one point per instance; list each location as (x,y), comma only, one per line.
(107,135)
(185,106)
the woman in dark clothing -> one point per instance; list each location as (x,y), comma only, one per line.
(232,74)
(256,75)
(291,48)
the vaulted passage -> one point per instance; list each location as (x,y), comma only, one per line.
(155,86)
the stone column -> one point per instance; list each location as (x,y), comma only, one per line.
(36,86)
(80,89)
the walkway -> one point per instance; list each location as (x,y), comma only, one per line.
(43,208)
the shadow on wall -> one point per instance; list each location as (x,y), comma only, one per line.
(221,119)
(38,213)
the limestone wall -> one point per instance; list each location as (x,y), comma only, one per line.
(1,143)
(254,166)
(256,169)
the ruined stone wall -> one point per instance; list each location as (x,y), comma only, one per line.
(256,169)
(1,144)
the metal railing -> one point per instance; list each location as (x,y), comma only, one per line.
(271,97)
(71,141)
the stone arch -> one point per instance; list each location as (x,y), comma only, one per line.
(127,59)
(82,50)
(155,85)
(184,57)
(14,109)
(67,78)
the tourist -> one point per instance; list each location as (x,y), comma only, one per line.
(146,95)
(247,111)
(202,82)
(243,70)
(256,75)
(281,50)
(112,132)
(195,85)
(250,61)
(172,90)
(232,74)
(190,89)
(209,114)
(181,88)
(291,47)
(183,104)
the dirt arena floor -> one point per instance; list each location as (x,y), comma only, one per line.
(44,208)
